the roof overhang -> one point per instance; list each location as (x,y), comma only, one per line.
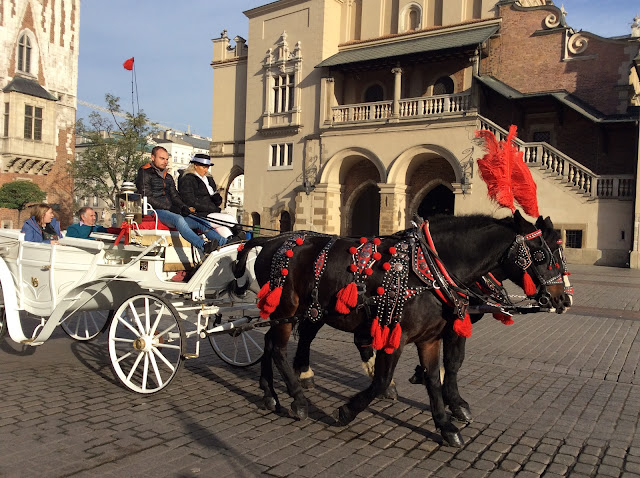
(29,87)
(562,97)
(422,42)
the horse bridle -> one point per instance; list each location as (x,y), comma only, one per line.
(527,258)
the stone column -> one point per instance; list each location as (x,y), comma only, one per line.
(325,211)
(634,259)
(397,92)
(393,207)
(327,100)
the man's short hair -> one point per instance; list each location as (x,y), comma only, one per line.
(156,148)
(82,210)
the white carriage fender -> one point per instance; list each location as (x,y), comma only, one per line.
(10,298)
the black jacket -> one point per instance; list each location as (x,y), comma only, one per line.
(159,188)
(195,194)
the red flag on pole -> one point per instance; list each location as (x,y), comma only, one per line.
(128,65)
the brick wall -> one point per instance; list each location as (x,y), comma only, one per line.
(534,63)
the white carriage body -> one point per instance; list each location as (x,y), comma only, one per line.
(81,274)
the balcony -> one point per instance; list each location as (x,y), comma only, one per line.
(407,108)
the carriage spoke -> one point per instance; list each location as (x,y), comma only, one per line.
(128,325)
(146,316)
(135,365)
(164,359)
(136,318)
(152,331)
(145,371)
(166,331)
(168,346)
(85,325)
(128,354)
(155,368)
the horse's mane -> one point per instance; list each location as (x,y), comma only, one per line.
(469,222)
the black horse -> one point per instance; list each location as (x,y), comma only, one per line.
(307,277)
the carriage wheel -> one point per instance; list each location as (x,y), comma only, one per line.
(86,325)
(146,343)
(240,349)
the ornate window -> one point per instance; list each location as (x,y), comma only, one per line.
(32,122)
(24,53)
(282,75)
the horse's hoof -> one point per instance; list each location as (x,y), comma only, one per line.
(391,393)
(307,383)
(342,416)
(461,414)
(301,412)
(270,403)
(452,438)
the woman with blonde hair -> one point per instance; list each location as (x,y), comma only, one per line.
(42,226)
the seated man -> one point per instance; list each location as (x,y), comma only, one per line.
(154,182)
(86,226)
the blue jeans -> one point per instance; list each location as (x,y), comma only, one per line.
(186,225)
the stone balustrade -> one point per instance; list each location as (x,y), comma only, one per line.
(568,171)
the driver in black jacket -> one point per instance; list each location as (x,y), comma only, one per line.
(154,182)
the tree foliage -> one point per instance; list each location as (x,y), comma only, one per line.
(19,194)
(116,150)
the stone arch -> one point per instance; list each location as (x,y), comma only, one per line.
(400,166)
(338,166)
(410,17)
(373,92)
(26,35)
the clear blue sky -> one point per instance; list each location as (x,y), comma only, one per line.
(171,43)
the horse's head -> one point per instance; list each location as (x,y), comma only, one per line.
(535,261)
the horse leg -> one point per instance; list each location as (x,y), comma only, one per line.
(269,398)
(385,365)
(307,331)
(368,356)
(453,356)
(429,354)
(280,339)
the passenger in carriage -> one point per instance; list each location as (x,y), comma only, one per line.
(198,191)
(86,226)
(155,182)
(42,226)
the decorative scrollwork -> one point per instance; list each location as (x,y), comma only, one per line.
(552,21)
(577,44)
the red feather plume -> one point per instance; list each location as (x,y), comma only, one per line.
(507,176)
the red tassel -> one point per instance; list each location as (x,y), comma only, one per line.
(385,335)
(504,318)
(347,297)
(528,285)
(394,338)
(266,288)
(463,327)
(376,334)
(267,304)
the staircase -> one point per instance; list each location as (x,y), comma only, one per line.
(567,171)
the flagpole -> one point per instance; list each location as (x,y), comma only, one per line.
(136,83)
(133,72)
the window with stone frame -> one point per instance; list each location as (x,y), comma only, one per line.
(573,238)
(32,122)
(284,89)
(443,86)
(24,53)
(5,129)
(281,156)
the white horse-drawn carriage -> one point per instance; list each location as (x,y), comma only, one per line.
(87,286)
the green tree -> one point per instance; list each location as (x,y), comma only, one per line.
(116,150)
(19,194)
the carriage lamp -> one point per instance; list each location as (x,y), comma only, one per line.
(130,203)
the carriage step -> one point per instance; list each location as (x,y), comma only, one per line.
(31,342)
(189,356)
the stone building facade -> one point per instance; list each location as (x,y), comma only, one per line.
(38,90)
(349,120)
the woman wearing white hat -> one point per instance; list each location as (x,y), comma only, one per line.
(198,191)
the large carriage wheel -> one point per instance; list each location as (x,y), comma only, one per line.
(86,325)
(146,343)
(240,349)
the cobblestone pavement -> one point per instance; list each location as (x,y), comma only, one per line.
(552,395)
